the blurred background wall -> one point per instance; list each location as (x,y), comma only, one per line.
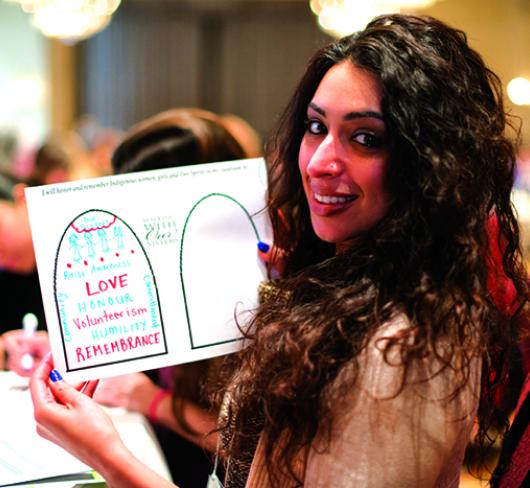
(237,56)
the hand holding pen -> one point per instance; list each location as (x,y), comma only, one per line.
(19,343)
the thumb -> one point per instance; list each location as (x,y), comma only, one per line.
(263,251)
(273,257)
(64,393)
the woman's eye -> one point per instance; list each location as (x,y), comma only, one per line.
(315,127)
(368,140)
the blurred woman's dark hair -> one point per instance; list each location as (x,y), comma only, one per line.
(176,137)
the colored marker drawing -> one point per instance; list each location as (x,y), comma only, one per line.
(106,294)
(217,217)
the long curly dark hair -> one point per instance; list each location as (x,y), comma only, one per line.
(450,175)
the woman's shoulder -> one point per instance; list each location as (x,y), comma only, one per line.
(398,421)
(391,364)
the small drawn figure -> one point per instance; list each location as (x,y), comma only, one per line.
(76,248)
(89,244)
(88,221)
(102,234)
(118,235)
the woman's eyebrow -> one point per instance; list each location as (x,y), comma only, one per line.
(367,114)
(363,114)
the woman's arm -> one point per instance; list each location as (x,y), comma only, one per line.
(75,422)
(136,392)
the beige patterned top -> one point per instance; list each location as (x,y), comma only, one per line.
(414,439)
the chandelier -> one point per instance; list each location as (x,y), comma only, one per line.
(342,17)
(69,20)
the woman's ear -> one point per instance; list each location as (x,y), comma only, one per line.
(18,193)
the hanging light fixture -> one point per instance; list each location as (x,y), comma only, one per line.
(342,17)
(69,20)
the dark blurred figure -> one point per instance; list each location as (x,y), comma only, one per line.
(19,282)
(61,158)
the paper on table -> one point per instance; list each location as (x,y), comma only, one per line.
(25,456)
(145,270)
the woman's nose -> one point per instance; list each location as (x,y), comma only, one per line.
(326,160)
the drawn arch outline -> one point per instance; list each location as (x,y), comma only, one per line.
(254,228)
(147,260)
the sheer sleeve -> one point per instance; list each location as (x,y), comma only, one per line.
(381,436)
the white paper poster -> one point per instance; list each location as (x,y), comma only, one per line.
(149,269)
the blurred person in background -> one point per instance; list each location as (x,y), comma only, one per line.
(245,134)
(60,158)
(63,157)
(52,163)
(19,282)
(99,141)
(8,150)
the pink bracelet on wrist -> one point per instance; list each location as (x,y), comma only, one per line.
(153,406)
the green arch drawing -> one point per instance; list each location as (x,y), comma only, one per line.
(249,217)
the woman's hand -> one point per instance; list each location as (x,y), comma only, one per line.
(134,392)
(78,424)
(273,257)
(72,419)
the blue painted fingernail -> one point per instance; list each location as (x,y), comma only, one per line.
(55,375)
(263,247)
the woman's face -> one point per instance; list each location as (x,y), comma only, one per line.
(344,154)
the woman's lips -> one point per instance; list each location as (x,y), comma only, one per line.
(333,199)
(324,205)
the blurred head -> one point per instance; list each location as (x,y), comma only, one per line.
(62,157)
(176,137)
(245,134)
(449,162)
(16,246)
(52,163)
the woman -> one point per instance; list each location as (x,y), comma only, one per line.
(381,343)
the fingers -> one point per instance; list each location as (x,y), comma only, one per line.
(38,385)
(42,372)
(274,257)
(11,339)
(90,387)
(63,391)
(263,251)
